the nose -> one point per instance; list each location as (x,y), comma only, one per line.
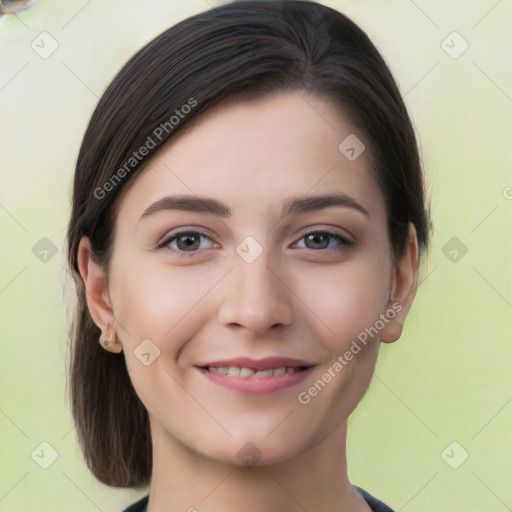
(255,297)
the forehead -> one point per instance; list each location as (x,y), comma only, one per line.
(253,153)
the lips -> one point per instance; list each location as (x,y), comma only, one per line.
(246,373)
(257,377)
(268,363)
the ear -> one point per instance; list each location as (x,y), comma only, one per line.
(404,282)
(96,287)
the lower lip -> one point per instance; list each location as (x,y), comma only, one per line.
(257,385)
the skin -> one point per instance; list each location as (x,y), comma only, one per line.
(297,299)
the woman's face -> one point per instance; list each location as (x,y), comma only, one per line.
(256,277)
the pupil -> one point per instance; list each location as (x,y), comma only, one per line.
(190,240)
(315,239)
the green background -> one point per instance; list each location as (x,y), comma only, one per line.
(447,380)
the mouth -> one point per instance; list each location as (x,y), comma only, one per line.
(251,373)
(257,377)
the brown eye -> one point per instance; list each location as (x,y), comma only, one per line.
(319,240)
(186,242)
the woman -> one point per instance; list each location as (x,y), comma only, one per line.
(248,216)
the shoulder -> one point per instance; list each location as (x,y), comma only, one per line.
(375,504)
(138,506)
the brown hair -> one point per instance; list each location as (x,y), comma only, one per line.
(243,48)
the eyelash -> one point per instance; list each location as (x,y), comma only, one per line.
(344,242)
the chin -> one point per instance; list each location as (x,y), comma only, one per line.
(258,452)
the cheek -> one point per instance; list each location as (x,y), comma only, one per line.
(154,301)
(151,298)
(347,299)
(156,307)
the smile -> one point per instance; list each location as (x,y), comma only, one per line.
(234,371)
(254,382)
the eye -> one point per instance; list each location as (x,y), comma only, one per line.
(322,240)
(186,242)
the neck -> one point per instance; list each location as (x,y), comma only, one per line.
(185,480)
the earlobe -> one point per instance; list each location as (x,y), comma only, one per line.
(393,329)
(403,289)
(109,340)
(96,287)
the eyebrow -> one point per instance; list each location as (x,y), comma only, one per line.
(291,205)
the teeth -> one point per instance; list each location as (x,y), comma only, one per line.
(246,372)
(234,371)
(264,373)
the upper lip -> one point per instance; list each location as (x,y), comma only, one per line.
(259,364)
